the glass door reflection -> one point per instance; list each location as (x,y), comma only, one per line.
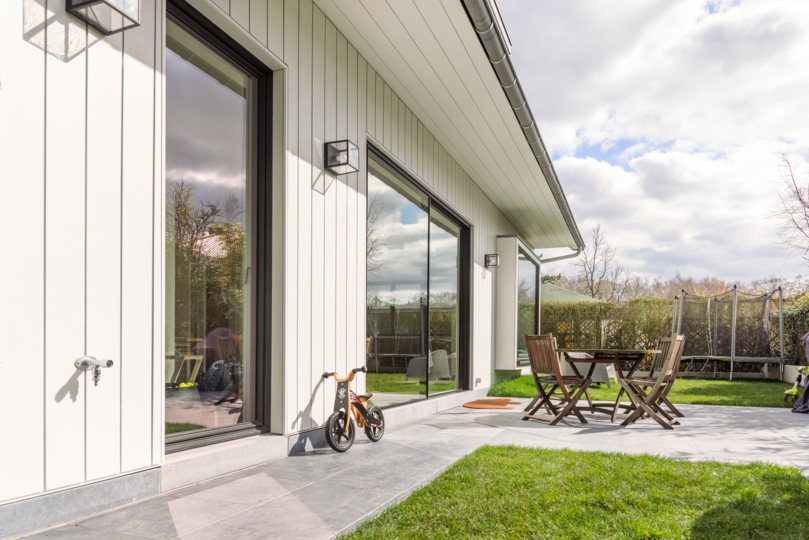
(209,218)
(442,365)
(397,305)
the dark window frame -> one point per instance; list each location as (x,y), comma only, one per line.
(191,20)
(464,280)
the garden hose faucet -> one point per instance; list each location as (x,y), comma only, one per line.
(86,363)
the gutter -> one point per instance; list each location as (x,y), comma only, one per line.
(493,44)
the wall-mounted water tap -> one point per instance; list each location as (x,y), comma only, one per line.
(86,363)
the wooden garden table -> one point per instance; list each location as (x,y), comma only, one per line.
(607,356)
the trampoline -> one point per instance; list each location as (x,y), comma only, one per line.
(732,327)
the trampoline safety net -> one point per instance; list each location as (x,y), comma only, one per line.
(707,323)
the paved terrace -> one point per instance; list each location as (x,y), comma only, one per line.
(320,494)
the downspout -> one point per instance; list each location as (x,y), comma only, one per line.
(493,44)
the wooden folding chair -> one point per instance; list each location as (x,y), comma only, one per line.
(664,400)
(548,378)
(663,345)
(648,402)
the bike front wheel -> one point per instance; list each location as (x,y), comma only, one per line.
(375,433)
(337,437)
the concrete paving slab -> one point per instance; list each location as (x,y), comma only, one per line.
(320,493)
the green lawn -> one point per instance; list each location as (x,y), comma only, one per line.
(508,492)
(696,391)
(179,427)
(394,383)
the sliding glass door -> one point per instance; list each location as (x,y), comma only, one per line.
(210,173)
(415,296)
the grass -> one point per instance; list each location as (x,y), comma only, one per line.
(394,383)
(695,391)
(179,427)
(508,492)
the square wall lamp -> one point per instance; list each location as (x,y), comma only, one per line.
(107,16)
(492,260)
(342,157)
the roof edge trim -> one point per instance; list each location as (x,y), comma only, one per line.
(495,47)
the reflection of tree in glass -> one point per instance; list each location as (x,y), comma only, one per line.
(208,262)
(374,241)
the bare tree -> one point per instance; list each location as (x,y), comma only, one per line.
(600,275)
(375,242)
(234,208)
(794,211)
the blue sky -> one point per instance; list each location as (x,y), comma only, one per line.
(666,120)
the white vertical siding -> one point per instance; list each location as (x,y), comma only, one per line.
(82,192)
(333,93)
(82,175)
(22,216)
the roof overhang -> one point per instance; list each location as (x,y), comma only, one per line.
(429,53)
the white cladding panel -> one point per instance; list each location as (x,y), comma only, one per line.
(332,92)
(82,175)
(80,151)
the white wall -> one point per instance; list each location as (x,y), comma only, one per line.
(81,207)
(81,177)
(333,93)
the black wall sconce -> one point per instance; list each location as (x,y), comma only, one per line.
(107,16)
(342,157)
(492,260)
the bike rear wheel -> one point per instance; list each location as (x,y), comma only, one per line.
(375,433)
(336,435)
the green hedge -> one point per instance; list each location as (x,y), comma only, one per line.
(623,325)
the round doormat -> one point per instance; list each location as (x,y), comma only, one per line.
(497,403)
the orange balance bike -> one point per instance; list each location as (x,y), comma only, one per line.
(340,425)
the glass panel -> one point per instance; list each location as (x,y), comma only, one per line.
(209,368)
(527,273)
(396,295)
(445,238)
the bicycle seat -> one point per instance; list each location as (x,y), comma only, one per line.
(366,396)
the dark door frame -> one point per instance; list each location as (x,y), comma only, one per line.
(180,12)
(464,280)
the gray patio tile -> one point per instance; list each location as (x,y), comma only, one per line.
(309,467)
(345,501)
(512,437)
(396,471)
(250,489)
(77,532)
(269,523)
(409,432)
(164,517)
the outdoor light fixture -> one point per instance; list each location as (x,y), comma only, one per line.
(342,157)
(107,16)
(493,261)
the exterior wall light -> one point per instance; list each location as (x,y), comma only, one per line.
(342,157)
(107,16)
(493,261)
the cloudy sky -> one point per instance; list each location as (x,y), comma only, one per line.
(666,120)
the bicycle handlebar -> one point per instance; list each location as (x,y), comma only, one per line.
(362,369)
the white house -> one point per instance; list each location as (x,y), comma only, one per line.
(166,205)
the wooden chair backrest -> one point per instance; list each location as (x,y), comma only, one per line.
(659,359)
(542,355)
(678,359)
(667,373)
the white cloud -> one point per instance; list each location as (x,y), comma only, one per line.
(666,120)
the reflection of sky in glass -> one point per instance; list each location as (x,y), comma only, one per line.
(402,275)
(207,151)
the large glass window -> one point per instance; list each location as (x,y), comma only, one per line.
(209,229)
(527,302)
(413,291)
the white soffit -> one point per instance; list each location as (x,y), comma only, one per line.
(429,54)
